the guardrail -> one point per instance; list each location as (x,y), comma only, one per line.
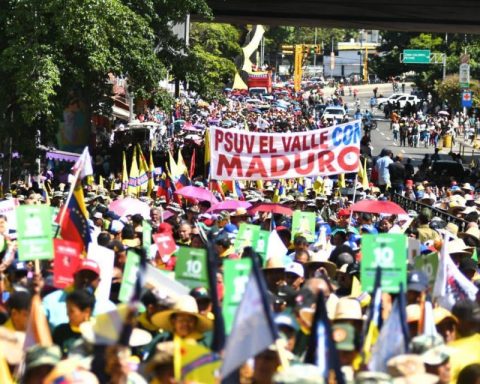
(408,205)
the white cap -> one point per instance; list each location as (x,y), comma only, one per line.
(98,215)
(295,268)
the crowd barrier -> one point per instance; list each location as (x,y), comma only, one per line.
(408,205)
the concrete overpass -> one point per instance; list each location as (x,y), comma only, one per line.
(461,16)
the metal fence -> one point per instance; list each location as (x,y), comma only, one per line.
(408,205)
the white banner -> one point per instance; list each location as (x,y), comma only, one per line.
(243,155)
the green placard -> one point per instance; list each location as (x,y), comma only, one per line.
(429,265)
(235,276)
(303,223)
(146,237)
(261,243)
(191,267)
(129,277)
(34,232)
(247,237)
(388,251)
(416,56)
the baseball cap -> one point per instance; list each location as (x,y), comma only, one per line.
(417,281)
(295,268)
(38,355)
(88,265)
(343,212)
(200,293)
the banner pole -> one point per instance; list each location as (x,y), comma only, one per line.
(353,198)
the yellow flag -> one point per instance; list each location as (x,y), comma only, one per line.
(193,362)
(365,176)
(356,288)
(341,181)
(143,175)
(181,164)
(124,174)
(260,185)
(246,126)
(133,178)
(151,168)
(206,156)
(100,182)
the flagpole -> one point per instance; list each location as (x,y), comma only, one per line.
(354,195)
(69,197)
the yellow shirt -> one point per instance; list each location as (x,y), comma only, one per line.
(464,352)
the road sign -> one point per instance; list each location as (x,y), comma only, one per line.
(466,99)
(464,75)
(416,56)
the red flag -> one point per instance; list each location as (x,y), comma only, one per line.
(192,164)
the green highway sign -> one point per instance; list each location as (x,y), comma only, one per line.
(416,56)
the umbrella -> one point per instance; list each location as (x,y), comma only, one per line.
(375,206)
(230,205)
(272,208)
(130,206)
(445,113)
(197,193)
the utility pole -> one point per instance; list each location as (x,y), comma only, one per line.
(315,43)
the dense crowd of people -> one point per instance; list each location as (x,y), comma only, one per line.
(86,337)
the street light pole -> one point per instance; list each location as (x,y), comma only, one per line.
(314,53)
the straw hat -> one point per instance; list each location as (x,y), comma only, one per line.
(185,304)
(348,309)
(426,201)
(473,233)
(312,266)
(458,246)
(408,369)
(274,264)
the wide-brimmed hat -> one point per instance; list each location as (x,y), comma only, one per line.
(300,374)
(459,247)
(472,233)
(274,264)
(467,187)
(348,309)
(426,200)
(312,266)
(185,304)
(409,368)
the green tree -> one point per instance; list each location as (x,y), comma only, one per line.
(51,51)
(213,50)
(449,90)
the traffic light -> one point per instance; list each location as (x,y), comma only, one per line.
(318,49)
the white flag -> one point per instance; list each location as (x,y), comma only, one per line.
(251,332)
(450,284)
(84,163)
(276,248)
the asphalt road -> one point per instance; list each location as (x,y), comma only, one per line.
(382,137)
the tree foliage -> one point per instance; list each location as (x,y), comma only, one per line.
(214,48)
(50,49)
